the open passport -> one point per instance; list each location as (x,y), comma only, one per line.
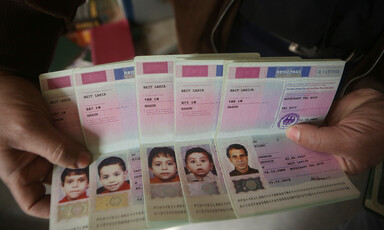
(191,138)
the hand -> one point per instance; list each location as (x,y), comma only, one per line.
(353,131)
(29,145)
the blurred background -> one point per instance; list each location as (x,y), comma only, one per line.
(107,31)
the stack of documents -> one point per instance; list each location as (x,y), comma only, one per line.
(191,138)
(374,196)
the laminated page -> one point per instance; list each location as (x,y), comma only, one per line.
(116,193)
(163,195)
(202,181)
(225,56)
(155,94)
(58,91)
(271,173)
(107,105)
(197,82)
(154,77)
(374,195)
(69,189)
(197,99)
(268,97)
(378,189)
(69,198)
(162,190)
(260,100)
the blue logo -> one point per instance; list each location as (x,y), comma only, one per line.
(219,70)
(124,73)
(288,120)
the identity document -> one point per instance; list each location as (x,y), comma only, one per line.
(191,138)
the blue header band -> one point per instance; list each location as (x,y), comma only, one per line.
(124,73)
(219,70)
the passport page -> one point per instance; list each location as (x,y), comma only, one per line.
(263,170)
(163,194)
(155,93)
(107,105)
(116,192)
(59,92)
(197,100)
(155,97)
(202,181)
(67,211)
(271,96)
(108,111)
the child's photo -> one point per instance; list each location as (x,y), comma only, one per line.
(162,165)
(74,184)
(199,165)
(113,175)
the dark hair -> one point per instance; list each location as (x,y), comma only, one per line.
(199,150)
(160,151)
(111,161)
(236,146)
(68,171)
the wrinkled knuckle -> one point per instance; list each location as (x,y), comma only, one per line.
(20,126)
(20,178)
(58,153)
(312,140)
(317,141)
(353,146)
(15,178)
(26,208)
(350,148)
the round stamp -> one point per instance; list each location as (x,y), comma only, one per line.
(251,185)
(77,209)
(166,190)
(209,188)
(115,201)
(288,120)
(169,191)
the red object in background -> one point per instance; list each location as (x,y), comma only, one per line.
(112,42)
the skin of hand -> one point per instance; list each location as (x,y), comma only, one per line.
(353,131)
(30,145)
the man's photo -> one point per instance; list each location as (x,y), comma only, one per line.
(238,156)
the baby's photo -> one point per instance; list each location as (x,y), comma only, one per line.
(113,175)
(162,164)
(199,165)
(74,184)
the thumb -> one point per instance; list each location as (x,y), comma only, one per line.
(48,142)
(327,139)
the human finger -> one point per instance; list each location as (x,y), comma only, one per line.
(32,198)
(327,139)
(44,140)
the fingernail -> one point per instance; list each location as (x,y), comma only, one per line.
(83,160)
(293,133)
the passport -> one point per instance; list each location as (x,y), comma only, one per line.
(190,138)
